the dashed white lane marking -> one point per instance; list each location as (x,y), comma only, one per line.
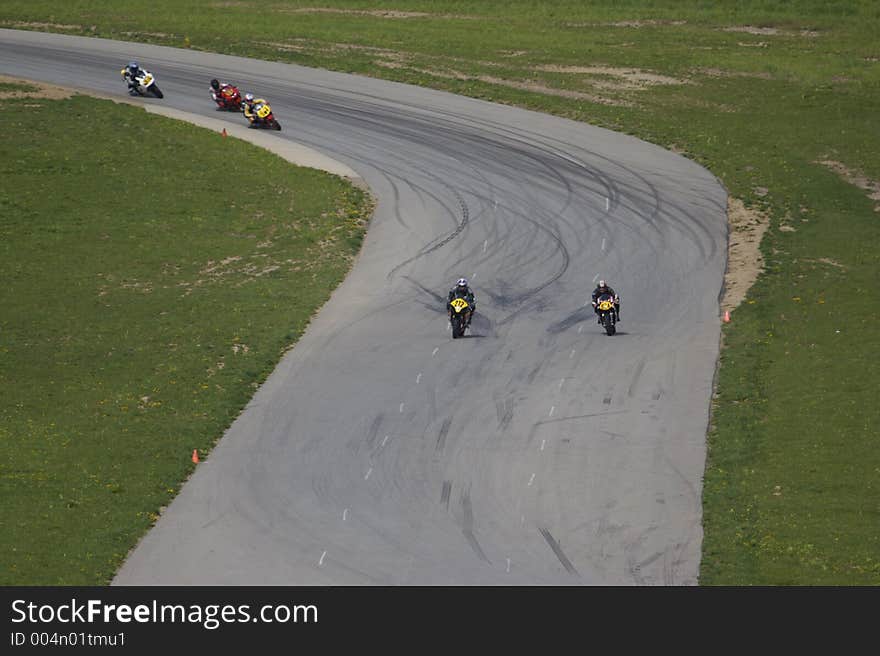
(369,471)
(552,409)
(434,352)
(508,565)
(321,561)
(485,245)
(401,408)
(561,383)
(522,520)
(571,355)
(543,442)
(385,440)
(531,480)
(345,514)
(473,275)
(603,243)
(596,277)
(418,378)
(580,330)
(495,207)
(607,204)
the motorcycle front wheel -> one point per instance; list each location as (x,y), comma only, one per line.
(457,327)
(610,328)
(156,91)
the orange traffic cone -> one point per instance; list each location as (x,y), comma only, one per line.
(224,132)
(196,456)
(727,316)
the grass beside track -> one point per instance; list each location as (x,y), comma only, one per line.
(153,272)
(758,92)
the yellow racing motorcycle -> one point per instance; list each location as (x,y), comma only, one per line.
(261,117)
(607,316)
(461,312)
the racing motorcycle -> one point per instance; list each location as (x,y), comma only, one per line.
(461,312)
(229,99)
(262,117)
(607,316)
(146,84)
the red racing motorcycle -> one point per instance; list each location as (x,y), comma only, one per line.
(227,97)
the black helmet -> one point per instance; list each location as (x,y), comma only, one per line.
(133,66)
(215,84)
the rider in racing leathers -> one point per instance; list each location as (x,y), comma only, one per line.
(603,288)
(250,105)
(461,290)
(130,74)
(224,90)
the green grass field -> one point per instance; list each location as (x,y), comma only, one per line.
(761,93)
(145,295)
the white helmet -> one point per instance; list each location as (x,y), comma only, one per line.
(462,282)
(249,97)
(602,283)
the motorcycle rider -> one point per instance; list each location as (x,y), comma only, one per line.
(130,74)
(603,288)
(462,290)
(227,91)
(250,105)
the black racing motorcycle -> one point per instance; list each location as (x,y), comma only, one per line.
(461,312)
(607,315)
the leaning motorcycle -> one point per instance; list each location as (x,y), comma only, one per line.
(461,311)
(607,316)
(146,84)
(230,101)
(263,117)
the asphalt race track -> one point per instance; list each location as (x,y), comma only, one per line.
(537,450)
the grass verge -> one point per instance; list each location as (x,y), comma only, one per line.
(153,274)
(761,93)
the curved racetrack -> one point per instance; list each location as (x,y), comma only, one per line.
(380,451)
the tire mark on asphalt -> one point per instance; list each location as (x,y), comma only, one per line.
(441,438)
(530,378)
(587,416)
(529,293)
(395,203)
(468,526)
(560,554)
(374,430)
(692,227)
(418,127)
(377,118)
(445,493)
(638,372)
(465,218)
(504,410)
(529,141)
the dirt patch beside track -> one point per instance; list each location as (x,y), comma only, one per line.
(744,259)
(41,90)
